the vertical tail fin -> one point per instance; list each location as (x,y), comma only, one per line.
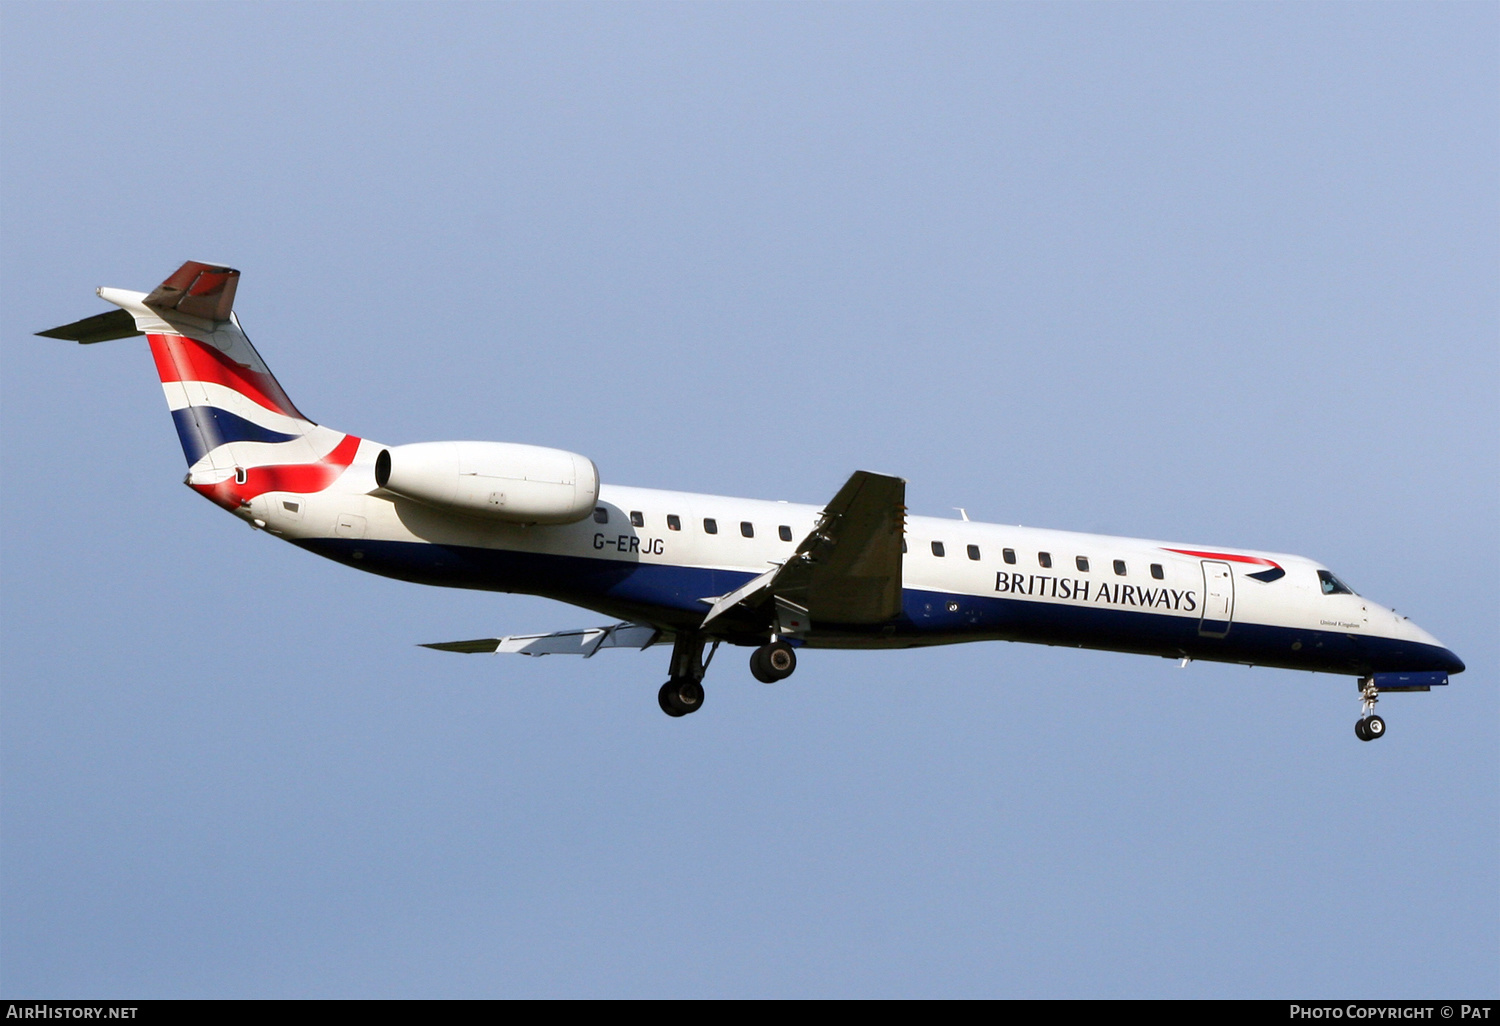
(217,400)
(239,430)
(218,388)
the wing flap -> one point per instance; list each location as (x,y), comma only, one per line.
(743,593)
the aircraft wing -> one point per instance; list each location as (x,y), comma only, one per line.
(848,570)
(580,642)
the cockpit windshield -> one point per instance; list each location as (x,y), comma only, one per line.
(1332,585)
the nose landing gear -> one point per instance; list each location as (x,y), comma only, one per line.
(1369,726)
(772,662)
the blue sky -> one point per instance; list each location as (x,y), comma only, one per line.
(1222,274)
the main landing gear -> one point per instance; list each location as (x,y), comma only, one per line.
(1369,726)
(680,696)
(773,661)
(683,694)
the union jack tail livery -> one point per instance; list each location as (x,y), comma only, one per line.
(241,434)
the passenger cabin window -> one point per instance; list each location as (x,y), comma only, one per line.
(601,515)
(674,522)
(1119,568)
(937,548)
(1009,555)
(637,519)
(784,533)
(747,529)
(973,551)
(1157,572)
(710,525)
(1044,559)
(1082,563)
(1332,585)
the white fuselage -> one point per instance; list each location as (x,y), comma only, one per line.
(662,557)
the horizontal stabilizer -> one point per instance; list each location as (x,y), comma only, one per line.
(99,328)
(198,290)
(580,642)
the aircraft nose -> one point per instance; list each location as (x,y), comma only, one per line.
(1434,654)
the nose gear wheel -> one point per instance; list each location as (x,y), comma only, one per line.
(1368,727)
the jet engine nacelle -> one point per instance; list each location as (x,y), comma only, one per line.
(520,484)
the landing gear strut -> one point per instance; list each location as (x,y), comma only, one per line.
(1369,726)
(773,661)
(683,694)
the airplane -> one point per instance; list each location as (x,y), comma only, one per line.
(698,571)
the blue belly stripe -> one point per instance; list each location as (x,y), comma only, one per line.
(668,595)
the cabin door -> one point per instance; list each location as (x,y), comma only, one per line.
(1218,599)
